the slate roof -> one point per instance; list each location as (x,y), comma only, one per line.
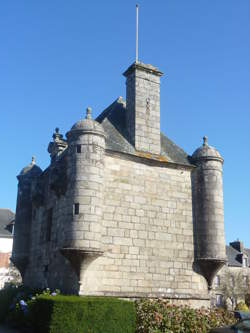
(113,120)
(6,217)
(234,256)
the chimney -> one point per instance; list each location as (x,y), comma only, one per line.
(143,107)
(237,245)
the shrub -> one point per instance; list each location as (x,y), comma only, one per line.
(155,316)
(6,297)
(241,306)
(67,314)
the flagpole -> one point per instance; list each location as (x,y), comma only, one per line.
(136,56)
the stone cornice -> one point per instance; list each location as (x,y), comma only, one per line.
(149,159)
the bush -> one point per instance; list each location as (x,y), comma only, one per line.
(155,316)
(241,306)
(67,314)
(6,298)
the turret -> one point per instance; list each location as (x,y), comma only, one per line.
(58,145)
(208,211)
(86,147)
(23,218)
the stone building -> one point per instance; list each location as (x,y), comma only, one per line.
(6,239)
(121,210)
(235,274)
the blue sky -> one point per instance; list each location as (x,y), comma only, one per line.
(57,57)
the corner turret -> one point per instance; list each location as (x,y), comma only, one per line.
(85,170)
(21,240)
(208,210)
(58,145)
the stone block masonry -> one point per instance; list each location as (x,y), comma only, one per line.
(147,233)
(121,210)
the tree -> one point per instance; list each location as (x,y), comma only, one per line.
(234,287)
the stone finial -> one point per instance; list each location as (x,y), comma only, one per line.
(88,113)
(33,160)
(205,141)
(57,136)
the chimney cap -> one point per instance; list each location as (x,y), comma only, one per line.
(143,67)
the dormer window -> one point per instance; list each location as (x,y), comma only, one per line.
(245,262)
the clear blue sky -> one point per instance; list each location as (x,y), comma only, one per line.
(59,56)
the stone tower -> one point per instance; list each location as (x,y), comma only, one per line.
(86,141)
(20,253)
(210,252)
(143,107)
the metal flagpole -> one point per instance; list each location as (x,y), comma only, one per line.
(136,57)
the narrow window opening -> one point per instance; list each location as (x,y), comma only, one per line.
(78,149)
(49,224)
(217,281)
(219,300)
(46,268)
(245,281)
(231,281)
(76,208)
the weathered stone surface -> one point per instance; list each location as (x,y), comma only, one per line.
(124,223)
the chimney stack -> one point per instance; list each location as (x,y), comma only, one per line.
(143,107)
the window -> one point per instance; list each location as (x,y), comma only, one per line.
(78,149)
(76,208)
(217,281)
(245,262)
(49,224)
(219,300)
(231,281)
(245,281)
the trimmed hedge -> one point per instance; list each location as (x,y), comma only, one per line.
(67,314)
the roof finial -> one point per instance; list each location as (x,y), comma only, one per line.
(88,113)
(57,130)
(136,42)
(205,140)
(33,160)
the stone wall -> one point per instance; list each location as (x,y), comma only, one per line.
(47,267)
(147,233)
(146,236)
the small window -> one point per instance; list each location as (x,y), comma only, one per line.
(78,149)
(49,224)
(76,208)
(245,281)
(245,262)
(46,268)
(217,281)
(219,301)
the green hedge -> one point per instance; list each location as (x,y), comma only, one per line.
(6,297)
(67,314)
